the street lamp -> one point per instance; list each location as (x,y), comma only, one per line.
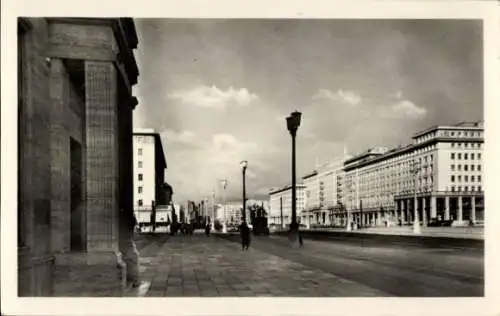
(243,166)
(416,222)
(212,222)
(293,123)
(224,223)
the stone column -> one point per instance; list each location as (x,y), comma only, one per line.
(379,218)
(433,207)
(473,208)
(447,208)
(460,210)
(424,212)
(102,156)
(403,212)
(60,157)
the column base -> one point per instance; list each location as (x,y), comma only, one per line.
(293,237)
(459,223)
(94,274)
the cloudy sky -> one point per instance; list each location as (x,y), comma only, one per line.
(219,91)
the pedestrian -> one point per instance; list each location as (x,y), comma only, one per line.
(301,241)
(245,236)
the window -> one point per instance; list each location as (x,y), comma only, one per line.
(472,178)
(466,156)
(466,178)
(452,145)
(452,178)
(459,189)
(459,156)
(139,164)
(452,155)
(459,178)
(466,188)
(478,156)
(459,167)
(472,156)
(452,167)
(453,189)
(139,202)
(466,145)
(472,167)
(139,151)
(139,176)
(139,189)
(479,188)
(478,178)
(466,167)
(472,188)
(478,167)
(452,133)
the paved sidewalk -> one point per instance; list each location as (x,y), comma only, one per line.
(211,266)
(452,232)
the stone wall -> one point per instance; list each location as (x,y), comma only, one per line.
(72,94)
(34,163)
(67,122)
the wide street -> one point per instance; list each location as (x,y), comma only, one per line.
(216,266)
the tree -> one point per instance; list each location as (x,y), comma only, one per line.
(174,216)
(256,211)
(181,214)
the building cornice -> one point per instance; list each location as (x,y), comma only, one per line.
(474,126)
(410,148)
(125,36)
(23,25)
(287,188)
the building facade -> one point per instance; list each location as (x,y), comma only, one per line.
(324,191)
(149,170)
(439,175)
(75,78)
(280,204)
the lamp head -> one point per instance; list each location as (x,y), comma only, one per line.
(293,121)
(224,183)
(244,164)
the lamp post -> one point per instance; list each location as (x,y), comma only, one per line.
(293,123)
(243,165)
(416,222)
(351,200)
(212,220)
(224,223)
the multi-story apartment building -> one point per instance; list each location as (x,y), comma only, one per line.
(441,171)
(324,192)
(280,204)
(149,172)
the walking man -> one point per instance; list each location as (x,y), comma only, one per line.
(245,236)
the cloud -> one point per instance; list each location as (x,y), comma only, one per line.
(408,109)
(213,97)
(184,137)
(348,97)
(227,142)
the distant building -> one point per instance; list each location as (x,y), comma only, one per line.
(280,203)
(149,172)
(324,192)
(233,212)
(447,160)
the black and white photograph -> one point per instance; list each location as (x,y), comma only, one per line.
(263,157)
